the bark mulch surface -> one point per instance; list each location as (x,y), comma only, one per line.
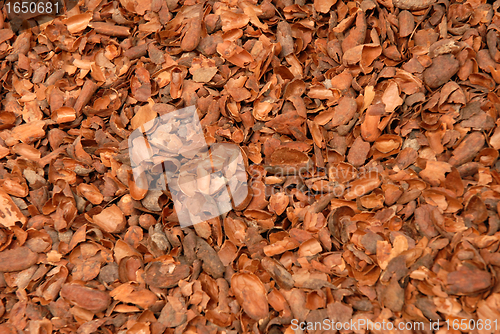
(387,108)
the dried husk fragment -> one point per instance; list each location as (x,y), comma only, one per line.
(17,259)
(323,6)
(64,115)
(90,192)
(130,293)
(285,39)
(111,219)
(443,68)
(406,23)
(9,211)
(278,203)
(278,273)
(30,132)
(192,34)
(369,132)
(165,275)
(88,89)
(363,185)
(173,313)
(467,149)
(358,152)
(413,4)
(388,144)
(211,261)
(281,246)
(78,23)
(495,139)
(250,294)
(235,230)
(467,279)
(87,298)
(110,29)
(286,161)
(344,112)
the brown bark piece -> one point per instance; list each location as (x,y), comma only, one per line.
(467,280)
(162,275)
(344,112)
(111,219)
(9,211)
(412,4)
(17,259)
(358,152)
(468,149)
(211,261)
(87,298)
(251,295)
(443,68)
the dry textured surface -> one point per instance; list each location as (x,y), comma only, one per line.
(388,110)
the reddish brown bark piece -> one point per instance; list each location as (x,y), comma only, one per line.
(17,259)
(344,112)
(163,275)
(413,4)
(278,273)
(85,297)
(358,152)
(285,161)
(467,280)
(9,212)
(443,68)
(111,219)
(468,149)
(251,295)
